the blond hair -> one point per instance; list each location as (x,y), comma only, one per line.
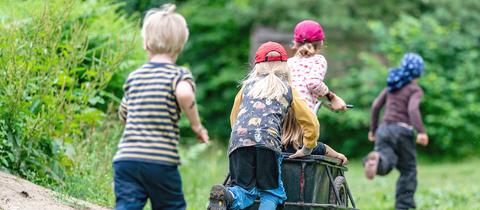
(270,79)
(164,31)
(307,49)
(292,132)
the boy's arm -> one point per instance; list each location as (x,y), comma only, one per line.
(307,120)
(122,110)
(414,111)
(186,99)
(376,106)
(236,106)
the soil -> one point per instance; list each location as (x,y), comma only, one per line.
(19,194)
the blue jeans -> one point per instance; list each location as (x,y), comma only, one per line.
(269,199)
(136,181)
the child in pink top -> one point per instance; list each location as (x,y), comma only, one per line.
(308,67)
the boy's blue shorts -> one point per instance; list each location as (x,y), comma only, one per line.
(136,181)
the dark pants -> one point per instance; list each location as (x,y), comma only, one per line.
(255,172)
(396,145)
(135,182)
(254,167)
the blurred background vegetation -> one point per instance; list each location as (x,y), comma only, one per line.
(63,64)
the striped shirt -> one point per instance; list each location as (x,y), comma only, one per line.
(151,113)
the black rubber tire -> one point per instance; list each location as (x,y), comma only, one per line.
(339,185)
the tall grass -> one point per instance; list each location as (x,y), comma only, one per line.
(53,68)
(92,177)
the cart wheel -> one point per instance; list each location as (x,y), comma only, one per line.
(339,185)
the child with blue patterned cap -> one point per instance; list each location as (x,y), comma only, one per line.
(394,138)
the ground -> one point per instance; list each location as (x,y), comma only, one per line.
(445,185)
(441,186)
(16,193)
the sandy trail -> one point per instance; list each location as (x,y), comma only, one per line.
(19,194)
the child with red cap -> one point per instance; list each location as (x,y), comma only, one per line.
(255,143)
(308,67)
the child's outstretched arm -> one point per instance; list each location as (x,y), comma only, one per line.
(309,123)
(186,99)
(316,85)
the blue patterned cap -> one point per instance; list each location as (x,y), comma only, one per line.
(410,68)
(412,64)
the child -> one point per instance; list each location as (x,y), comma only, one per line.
(292,141)
(255,146)
(308,68)
(145,165)
(394,139)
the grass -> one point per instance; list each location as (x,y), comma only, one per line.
(442,185)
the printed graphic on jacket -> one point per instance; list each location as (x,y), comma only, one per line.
(259,122)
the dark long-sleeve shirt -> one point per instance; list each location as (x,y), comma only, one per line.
(400,106)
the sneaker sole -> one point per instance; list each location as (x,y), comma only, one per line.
(217,198)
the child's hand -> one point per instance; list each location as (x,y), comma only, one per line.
(343,158)
(202,133)
(338,103)
(298,154)
(422,139)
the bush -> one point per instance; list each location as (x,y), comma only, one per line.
(450,106)
(56,57)
(364,39)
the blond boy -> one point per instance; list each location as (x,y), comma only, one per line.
(145,165)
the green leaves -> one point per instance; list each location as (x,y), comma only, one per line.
(449,104)
(57,56)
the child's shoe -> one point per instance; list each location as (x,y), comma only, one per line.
(371,164)
(220,198)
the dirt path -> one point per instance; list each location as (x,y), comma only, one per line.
(19,194)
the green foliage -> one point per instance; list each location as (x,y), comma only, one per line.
(56,58)
(63,62)
(450,106)
(364,38)
(92,175)
(217,77)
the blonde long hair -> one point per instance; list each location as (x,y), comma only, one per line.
(307,49)
(292,132)
(270,79)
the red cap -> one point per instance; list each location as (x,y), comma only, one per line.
(308,31)
(265,48)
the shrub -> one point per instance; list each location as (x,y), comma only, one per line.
(450,106)
(56,57)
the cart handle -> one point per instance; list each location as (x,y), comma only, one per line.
(318,105)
